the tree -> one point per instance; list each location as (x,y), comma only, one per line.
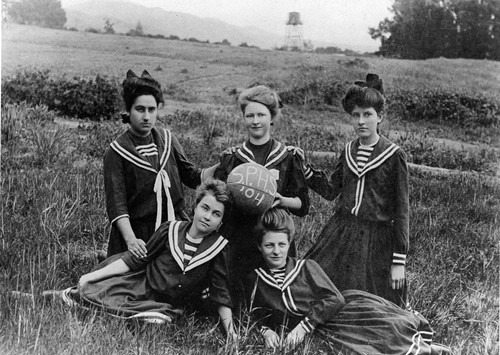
(45,13)
(479,29)
(108,27)
(431,28)
(138,29)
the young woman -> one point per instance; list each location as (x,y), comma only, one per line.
(144,170)
(260,107)
(291,298)
(365,243)
(183,259)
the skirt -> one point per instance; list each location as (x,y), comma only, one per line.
(357,254)
(127,296)
(369,324)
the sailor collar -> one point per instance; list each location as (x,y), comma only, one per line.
(126,150)
(293,269)
(382,151)
(124,146)
(277,154)
(210,246)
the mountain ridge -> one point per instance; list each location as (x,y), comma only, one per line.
(125,15)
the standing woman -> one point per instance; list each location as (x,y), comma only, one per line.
(144,170)
(260,107)
(364,245)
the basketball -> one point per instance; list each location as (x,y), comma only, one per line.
(253,188)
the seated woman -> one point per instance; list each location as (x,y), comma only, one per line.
(183,259)
(296,294)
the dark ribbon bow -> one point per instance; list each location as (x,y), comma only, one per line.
(145,74)
(373,82)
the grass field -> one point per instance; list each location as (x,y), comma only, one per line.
(53,218)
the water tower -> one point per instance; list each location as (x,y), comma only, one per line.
(293,37)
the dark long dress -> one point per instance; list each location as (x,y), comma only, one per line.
(160,285)
(352,321)
(244,255)
(369,232)
(130,179)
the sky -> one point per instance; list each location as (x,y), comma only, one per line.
(342,22)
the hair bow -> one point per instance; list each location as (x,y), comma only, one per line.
(373,82)
(145,74)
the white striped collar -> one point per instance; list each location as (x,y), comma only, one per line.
(285,289)
(132,158)
(269,279)
(137,159)
(375,160)
(168,147)
(206,251)
(277,153)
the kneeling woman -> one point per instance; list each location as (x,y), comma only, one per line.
(296,294)
(183,259)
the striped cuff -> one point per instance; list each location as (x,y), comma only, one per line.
(308,172)
(399,259)
(307,325)
(426,336)
(120,216)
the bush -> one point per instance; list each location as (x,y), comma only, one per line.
(96,99)
(316,92)
(91,30)
(456,108)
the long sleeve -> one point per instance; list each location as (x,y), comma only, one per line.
(401,209)
(318,181)
(327,300)
(190,175)
(222,171)
(297,187)
(115,186)
(219,287)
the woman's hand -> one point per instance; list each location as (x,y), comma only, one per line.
(229,151)
(278,200)
(397,276)
(271,339)
(293,203)
(137,247)
(295,336)
(298,152)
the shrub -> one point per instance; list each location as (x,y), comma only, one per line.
(455,108)
(92,30)
(96,99)
(316,93)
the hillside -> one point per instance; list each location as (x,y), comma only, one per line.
(125,15)
(206,69)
